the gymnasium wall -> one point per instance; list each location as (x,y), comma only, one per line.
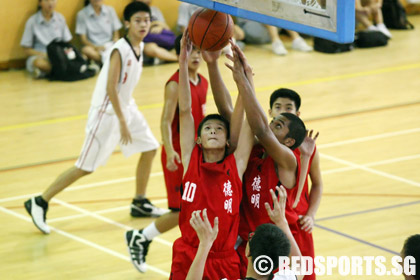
(13,16)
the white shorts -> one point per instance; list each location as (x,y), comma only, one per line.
(103,135)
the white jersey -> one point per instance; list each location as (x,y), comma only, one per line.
(131,68)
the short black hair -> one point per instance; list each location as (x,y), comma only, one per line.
(87,2)
(178,44)
(285,93)
(214,117)
(412,248)
(297,129)
(135,7)
(271,241)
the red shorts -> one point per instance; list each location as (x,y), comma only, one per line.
(173,182)
(306,245)
(241,250)
(219,265)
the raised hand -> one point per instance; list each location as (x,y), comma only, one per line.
(186,47)
(211,57)
(306,150)
(278,213)
(205,232)
(308,145)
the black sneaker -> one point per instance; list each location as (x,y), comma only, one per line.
(37,207)
(138,245)
(144,208)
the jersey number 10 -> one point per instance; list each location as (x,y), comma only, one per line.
(189,191)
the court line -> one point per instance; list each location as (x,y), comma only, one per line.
(370,164)
(259,89)
(369,138)
(104,219)
(127,179)
(357,239)
(327,145)
(371,170)
(368,211)
(85,242)
(85,186)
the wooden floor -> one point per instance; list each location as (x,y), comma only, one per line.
(365,103)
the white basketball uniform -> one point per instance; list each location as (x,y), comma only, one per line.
(103,129)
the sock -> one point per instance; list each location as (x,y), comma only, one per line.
(151,231)
(140,197)
(372,28)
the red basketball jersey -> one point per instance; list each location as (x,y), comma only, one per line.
(217,187)
(303,204)
(261,176)
(198,104)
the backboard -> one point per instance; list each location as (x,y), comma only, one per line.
(330,19)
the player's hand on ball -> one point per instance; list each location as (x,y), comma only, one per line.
(211,57)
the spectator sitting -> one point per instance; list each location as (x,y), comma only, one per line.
(365,9)
(258,33)
(98,26)
(42,28)
(160,40)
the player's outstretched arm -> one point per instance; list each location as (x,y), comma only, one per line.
(168,113)
(242,74)
(220,92)
(186,120)
(206,234)
(278,217)
(112,91)
(306,150)
(307,221)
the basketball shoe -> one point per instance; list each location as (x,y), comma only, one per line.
(37,207)
(138,245)
(144,208)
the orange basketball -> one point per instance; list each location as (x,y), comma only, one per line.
(210,30)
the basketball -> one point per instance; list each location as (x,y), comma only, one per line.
(210,30)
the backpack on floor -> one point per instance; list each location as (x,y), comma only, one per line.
(394,15)
(370,39)
(67,63)
(326,46)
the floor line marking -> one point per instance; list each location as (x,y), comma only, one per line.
(234,93)
(368,211)
(370,164)
(369,138)
(85,242)
(357,239)
(103,219)
(371,170)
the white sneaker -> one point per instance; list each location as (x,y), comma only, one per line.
(300,44)
(137,245)
(37,208)
(373,28)
(278,47)
(381,27)
(144,208)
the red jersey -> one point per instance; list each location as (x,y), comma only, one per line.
(217,187)
(261,176)
(303,204)
(198,105)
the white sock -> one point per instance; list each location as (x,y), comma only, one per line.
(151,231)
